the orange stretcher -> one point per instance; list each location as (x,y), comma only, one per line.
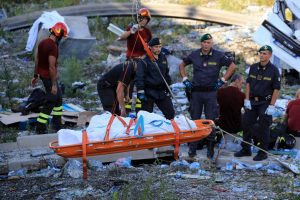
(132,143)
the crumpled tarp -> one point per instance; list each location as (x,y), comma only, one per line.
(48,19)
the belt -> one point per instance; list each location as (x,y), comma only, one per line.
(259,98)
(203,88)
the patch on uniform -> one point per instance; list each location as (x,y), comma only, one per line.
(164,62)
(267,78)
(259,77)
(278,78)
(212,63)
(205,64)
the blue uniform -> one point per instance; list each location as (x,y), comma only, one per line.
(263,81)
(149,79)
(206,69)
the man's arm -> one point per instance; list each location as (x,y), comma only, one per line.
(274,97)
(125,35)
(120,97)
(229,71)
(182,70)
(53,74)
(247,93)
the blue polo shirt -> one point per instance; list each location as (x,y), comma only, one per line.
(263,80)
(206,68)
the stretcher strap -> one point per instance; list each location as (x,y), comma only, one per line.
(84,157)
(177,130)
(130,124)
(111,119)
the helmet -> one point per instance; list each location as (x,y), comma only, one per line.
(144,12)
(59,30)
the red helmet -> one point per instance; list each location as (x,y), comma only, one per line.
(144,12)
(59,30)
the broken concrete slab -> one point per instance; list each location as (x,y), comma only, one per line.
(34,141)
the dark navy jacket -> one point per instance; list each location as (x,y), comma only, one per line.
(149,79)
(206,68)
(263,80)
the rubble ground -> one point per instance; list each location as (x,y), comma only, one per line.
(153,181)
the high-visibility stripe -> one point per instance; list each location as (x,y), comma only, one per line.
(138,105)
(43,121)
(58,108)
(128,106)
(44,115)
(56,113)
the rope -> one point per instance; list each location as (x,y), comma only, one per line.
(239,138)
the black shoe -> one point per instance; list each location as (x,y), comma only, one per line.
(210,149)
(260,156)
(243,153)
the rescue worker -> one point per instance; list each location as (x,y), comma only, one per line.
(150,85)
(46,70)
(262,90)
(113,85)
(207,63)
(135,48)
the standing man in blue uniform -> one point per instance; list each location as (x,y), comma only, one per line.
(262,90)
(150,84)
(207,63)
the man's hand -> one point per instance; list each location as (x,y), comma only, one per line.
(270,110)
(219,83)
(54,89)
(247,104)
(134,28)
(188,84)
(34,81)
(141,95)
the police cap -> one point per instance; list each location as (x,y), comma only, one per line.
(265,48)
(154,41)
(206,36)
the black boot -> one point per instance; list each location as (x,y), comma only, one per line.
(243,152)
(210,149)
(56,123)
(41,128)
(260,156)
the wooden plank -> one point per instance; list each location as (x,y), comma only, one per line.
(17,117)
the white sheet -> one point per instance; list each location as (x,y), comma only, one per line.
(48,19)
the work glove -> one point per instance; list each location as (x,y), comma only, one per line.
(134,28)
(188,84)
(247,104)
(219,83)
(270,110)
(141,95)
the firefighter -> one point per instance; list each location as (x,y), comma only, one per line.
(113,85)
(135,49)
(207,63)
(46,70)
(150,85)
(262,90)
